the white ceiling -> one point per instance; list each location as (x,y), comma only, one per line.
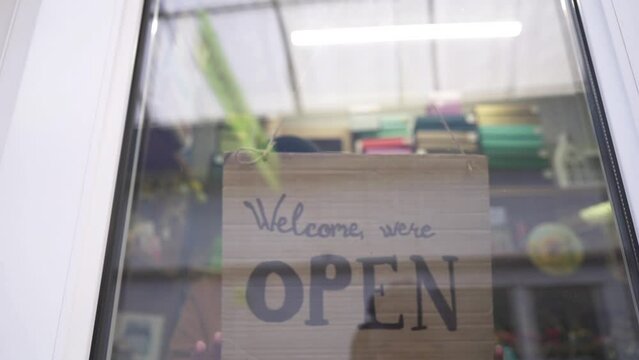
(336,78)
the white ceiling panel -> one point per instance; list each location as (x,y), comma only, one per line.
(476,66)
(178,6)
(251,42)
(341,77)
(178,93)
(543,54)
(253,46)
(336,77)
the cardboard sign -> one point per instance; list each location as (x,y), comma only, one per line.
(358,257)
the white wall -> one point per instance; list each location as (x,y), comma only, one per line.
(58,167)
(7,9)
(17,20)
(625,14)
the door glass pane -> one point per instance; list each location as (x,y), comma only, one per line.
(377,78)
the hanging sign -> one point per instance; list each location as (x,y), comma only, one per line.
(358,257)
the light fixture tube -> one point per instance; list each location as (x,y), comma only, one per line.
(414,32)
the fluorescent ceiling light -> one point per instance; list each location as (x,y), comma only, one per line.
(415,32)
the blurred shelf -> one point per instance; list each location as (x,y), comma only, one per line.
(544,191)
(169,273)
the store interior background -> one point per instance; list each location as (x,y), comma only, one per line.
(518,100)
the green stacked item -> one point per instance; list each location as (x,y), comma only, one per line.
(392,127)
(387,128)
(514,142)
(524,131)
(517,163)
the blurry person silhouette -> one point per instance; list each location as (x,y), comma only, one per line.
(198,333)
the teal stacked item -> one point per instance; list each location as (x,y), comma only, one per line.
(433,136)
(511,138)
(391,127)
(364,134)
(386,128)
(455,122)
(395,128)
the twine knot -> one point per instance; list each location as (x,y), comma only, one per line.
(254,155)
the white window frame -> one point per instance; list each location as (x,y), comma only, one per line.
(58,167)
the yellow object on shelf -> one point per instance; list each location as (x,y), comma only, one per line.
(555,249)
(599,214)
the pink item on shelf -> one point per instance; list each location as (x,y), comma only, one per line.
(450,108)
(389,151)
(385,142)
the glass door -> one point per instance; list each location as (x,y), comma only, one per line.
(402,83)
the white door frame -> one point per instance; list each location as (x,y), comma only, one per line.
(57,172)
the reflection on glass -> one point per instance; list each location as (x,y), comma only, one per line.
(389,77)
